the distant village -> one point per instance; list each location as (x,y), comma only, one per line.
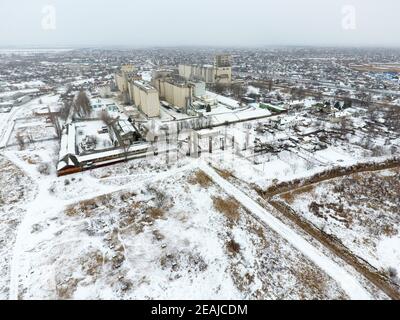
(130,108)
(254,173)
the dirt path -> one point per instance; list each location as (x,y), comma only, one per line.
(337,172)
(340,250)
(272,194)
(349,283)
(362,266)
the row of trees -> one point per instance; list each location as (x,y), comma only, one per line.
(80,106)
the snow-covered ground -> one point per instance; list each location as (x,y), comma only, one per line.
(348,282)
(150,228)
(361,210)
(171,235)
(226,101)
(8,121)
(92,129)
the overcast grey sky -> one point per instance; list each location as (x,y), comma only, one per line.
(199,22)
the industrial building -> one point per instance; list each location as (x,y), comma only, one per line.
(181,93)
(167,86)
(175,92)
(138,92)
(79,151)
(126,74)
(219,73)
(145,97)
(178,91)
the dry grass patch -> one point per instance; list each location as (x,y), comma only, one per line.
(65,288)
(311,279)
(185,260)
(389,231)
(156,213)
(233,247)
(225,174)
(200,178)
(260,233)
(289,197)
(126,196)
(229,207)
(242,282)
(92,263)
(71,211)
(89,206)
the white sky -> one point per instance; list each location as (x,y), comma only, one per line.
(199,22)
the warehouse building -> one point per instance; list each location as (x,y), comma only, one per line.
(219,73)
(126,74)
(175,90)
(145,97)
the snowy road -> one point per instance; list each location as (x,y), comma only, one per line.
(6,127)
(348,282)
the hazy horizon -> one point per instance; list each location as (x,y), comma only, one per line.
(178,23)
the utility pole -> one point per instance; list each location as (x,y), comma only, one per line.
(167,145)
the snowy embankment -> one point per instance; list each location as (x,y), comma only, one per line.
(348,282)
(360,210)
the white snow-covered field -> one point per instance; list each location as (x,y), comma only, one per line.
(15,194)
(143,229)
(151,229)
(362,211)
(176,235)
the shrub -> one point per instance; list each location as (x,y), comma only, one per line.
(233,247)
(155,213)
(392,272)
(229,207)
(20,140)
(160,198)
(201,178)
(44,168)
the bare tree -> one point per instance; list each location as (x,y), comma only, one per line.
(366,100)
(65,110)
(106,118)
(219,88)
(82,104)
(393,118)
(237,90)
(301,94)
(345,125)
(270,85)
(20,140)
(319,96)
